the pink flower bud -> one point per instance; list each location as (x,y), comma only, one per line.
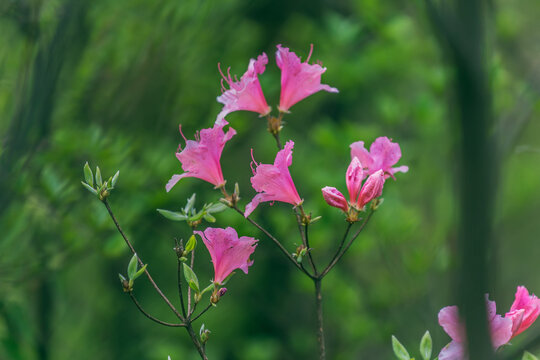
(354,177)
(372,189)
(335,198)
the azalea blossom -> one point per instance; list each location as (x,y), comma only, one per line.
(359,195)
(298,79)
(274,182)
(228,252)
(200,158)
(246,93)
(500,330)
(382,155)
(524,310)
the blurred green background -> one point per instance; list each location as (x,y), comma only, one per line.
(109,81)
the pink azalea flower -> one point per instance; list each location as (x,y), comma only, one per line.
(523,311)
(500,330)
(298,79)
(335,198)
(246,93)
(359,195)
(201,157)
(372,189)
(228,252)
(382,155)
(274,182)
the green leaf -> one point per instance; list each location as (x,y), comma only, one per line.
(115,178)
(192,242)
(140,272)
(191,278)
(122,278)
(132,267)
(172,215)
(215,208)
(399,350)
(208,288)
(209,218)
(89,188)
(426,345)
(528,356)
(99,181)
(190,203)
(88,176)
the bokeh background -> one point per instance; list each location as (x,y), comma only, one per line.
(109,81)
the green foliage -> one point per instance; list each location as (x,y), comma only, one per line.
(191,278)
(399,350)
(528,356)
(108,82)
(426,346)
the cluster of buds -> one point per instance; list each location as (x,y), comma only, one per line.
(100,188)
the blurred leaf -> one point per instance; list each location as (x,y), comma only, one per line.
(172,215)
(215,208)
(528,356)
(426,345)
(87,187)
(132,267)
(190,203)
(399,350)
(191,278)
(88,176)
(99,181)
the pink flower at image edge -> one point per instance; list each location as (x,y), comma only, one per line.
(227,251)
(298,79)
(274,182)
(524,310)
(201,157)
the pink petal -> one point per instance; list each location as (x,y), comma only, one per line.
(274,182)
(245,94)
(353,178)
(201,158)
(359,151)
(335,198)
(298,79)
(372,189)
(530,305)
(450,322)
(383,155)
(453,351)
(227,251)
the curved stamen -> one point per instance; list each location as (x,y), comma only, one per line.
(310,52)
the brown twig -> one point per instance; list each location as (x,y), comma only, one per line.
(171,306)
(150,316)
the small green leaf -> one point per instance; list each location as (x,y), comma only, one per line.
(528,356)
(190,203)
(89,188)
(215,208)
(172,215)
(99,181)
(140,272)
(208,288)
(122,278)
(115,178)
(191,278)
(399,350)
(198,216)
(209,218)
(426,345)
(192,242)
(132,267)
(88,176)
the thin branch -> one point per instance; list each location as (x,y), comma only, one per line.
(276,241)
(198,345)
(150,316)
(320,326)
(171,306)
(340,255)
(315,272)
(333,261)
(202,312)
(189,310)
(180,288)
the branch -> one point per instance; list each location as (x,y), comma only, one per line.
(171,306)
(202,312)
(150,316)
(276,241)
(180,288)
(340,255)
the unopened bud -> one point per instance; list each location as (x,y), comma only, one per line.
(372,188)
(335,198)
